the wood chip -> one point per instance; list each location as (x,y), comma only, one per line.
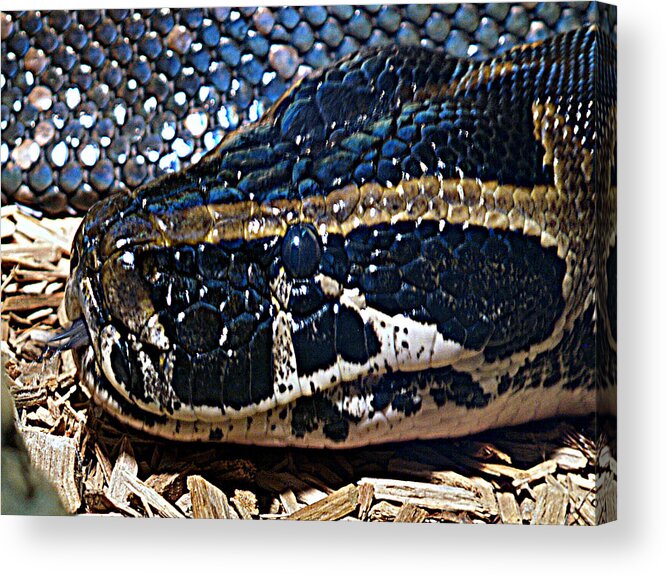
(245,503)
(508,509)
(366,495)
(172,486)
(37,275)
(442,497)
(551,504)
(289,502)
(38,254)
(42,416)
(537,472)
(98,501)
(184,503)
(34,288)
(32,228)
(527,506)
(30,302)
(569,458)
(58,458)
(39,314)
(208,501)
(149,496)
(483,490)
(337,505)
(7,228)
(29,395)
(410,514)
(383,511)
(125,466)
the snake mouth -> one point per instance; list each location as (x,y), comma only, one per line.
(74,337)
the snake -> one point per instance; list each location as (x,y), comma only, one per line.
(406,245)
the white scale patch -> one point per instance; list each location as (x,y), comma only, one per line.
(286,385)
(108,338)
(154,334)
(404,345)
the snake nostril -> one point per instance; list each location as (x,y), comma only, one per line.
(301,251)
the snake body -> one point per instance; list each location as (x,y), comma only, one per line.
(407,245)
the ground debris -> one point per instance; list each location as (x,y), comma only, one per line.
(58,459)
(208,501)
(337,505)
(508,508)
(410,513)
(450,498)
(245,503)
(551,503)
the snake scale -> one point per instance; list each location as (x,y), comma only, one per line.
(406,245)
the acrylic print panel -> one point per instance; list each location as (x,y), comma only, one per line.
(331,262)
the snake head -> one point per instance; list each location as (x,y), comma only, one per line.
(176,301)
(398,213)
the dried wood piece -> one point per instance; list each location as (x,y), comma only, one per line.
(335,506)
(37,275)
(537,472)
(208,501)
(8,210)
(245,503)
(30,302)
(95,479)
(149,497)
(605,497)
(569,458)
(184,503)
(99,502)
(309,495)
(383,511)
(42,253)
(551,504)
(366,495)
(410,513)
(448,517)
(125,466)
(34,288)
(481,487)
(34,229)
(508,509)
(581,504)
(7,228)
(54,287)
(289,502)
(172,486)
(483,450)
(42,417)
(58,458)
(442,497)
(29,396)
(37,315)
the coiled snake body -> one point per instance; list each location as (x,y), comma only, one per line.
(406,245)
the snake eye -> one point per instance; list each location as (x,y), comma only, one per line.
(301,251)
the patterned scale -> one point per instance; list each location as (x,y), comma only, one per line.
(403,246)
